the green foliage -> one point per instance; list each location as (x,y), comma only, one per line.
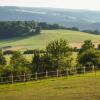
(18,28)
(87,57)
(3,62)
(87,45)
(2,59)
(58,55)
(38,30)
(19,63)
(58,48)
(7,70)
(42,63)
(98,46)
(61,54)
(36,61)
(96,32)
(90,57)
(97,58)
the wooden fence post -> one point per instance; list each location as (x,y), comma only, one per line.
(24,77)
(57,73)
(76,70)
(36,77)
(67,71)
(84,69)
(46,74)
(12,79)
(93,69)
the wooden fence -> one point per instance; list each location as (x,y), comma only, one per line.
(43,75)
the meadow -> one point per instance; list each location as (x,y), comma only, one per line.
(75,38)
(78,87)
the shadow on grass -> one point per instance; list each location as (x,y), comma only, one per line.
(14,39)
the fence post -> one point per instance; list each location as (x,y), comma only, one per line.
(93,68)
(36,77)
(46,74)
(24,77)
(57,73)
(12,79)
(75,70)
(84,69)
(67,71)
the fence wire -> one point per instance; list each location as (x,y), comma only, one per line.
(47,74)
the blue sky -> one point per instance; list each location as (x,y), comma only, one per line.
(71,4)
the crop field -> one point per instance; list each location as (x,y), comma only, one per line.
(78,87)
(75,38)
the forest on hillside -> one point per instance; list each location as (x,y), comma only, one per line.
(9,29)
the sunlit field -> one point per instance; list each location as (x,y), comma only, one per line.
(40,41)
(78,87)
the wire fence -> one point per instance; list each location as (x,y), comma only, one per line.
(47,74)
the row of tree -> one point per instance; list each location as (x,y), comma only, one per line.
(10,29)
(46,26)
(58,55)
(95,32)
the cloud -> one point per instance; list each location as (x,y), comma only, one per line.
(72,4)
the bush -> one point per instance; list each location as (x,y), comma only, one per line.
(29,52)
(8,52)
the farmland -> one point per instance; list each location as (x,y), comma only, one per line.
(75,38)
(73,87)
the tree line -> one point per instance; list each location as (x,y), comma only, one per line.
(9,29)
(46,26)
(58,55)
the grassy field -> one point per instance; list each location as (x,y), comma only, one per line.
(80,87)
(40,41)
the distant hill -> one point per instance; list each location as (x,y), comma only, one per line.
(83,19)
(75,38)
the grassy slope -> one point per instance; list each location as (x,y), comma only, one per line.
(40,41)
(85,87)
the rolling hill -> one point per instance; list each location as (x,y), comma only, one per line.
(84,19)
(75,38)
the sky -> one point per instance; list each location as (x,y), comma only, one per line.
(69,4)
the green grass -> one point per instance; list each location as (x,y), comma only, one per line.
(40,41)
(79,87)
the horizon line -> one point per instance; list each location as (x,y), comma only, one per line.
(49,7)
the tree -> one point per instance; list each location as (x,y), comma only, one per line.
(75,29)
(10,29)
(58,48)
(46,63)
(38,30)
(36,61)
(87,45)
(2,62)
(43,25)
(89,58)
(2,59)
(97,58)
(19,63)
(59,51)
(98,46)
